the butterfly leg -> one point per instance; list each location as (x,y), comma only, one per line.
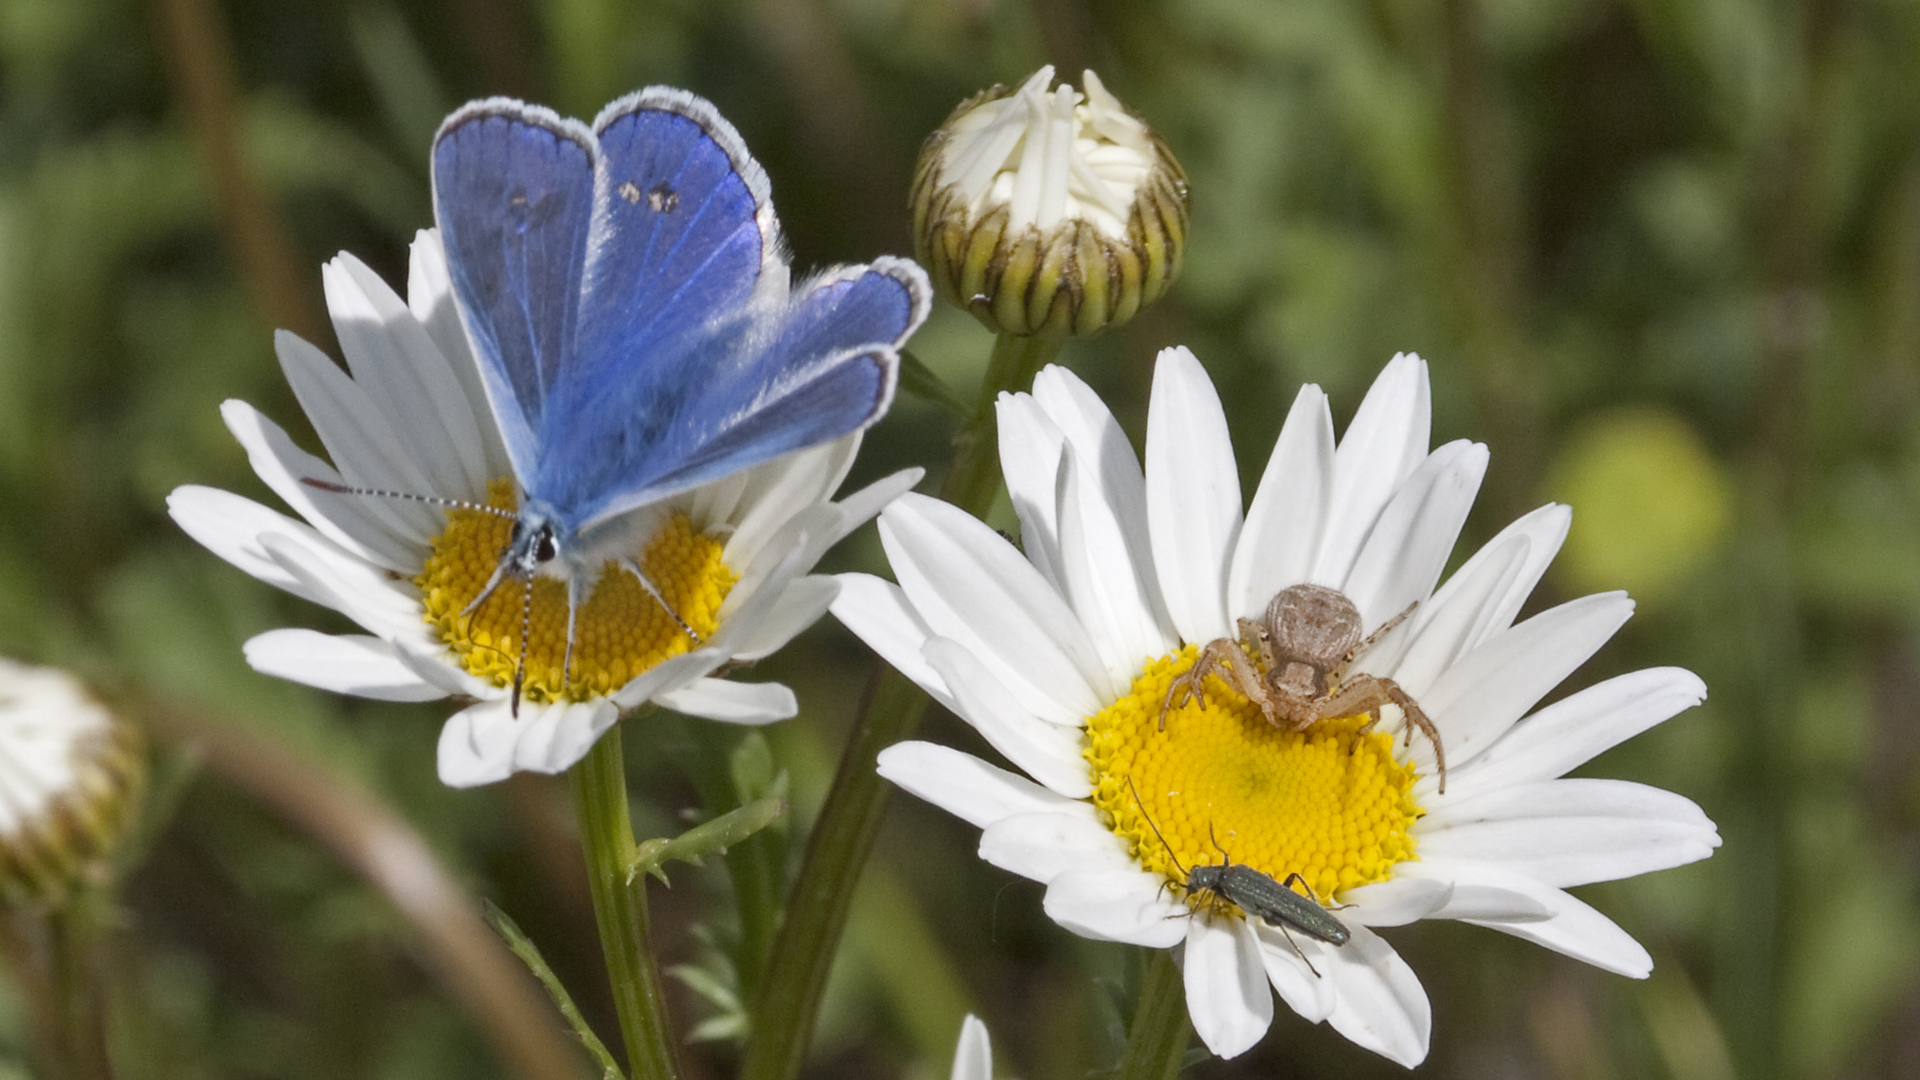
(653,590)
(577,592)
(520,665)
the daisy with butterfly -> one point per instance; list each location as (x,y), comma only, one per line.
(587,462)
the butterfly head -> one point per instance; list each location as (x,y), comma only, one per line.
(536,542)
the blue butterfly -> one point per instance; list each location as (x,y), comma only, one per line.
(627,297)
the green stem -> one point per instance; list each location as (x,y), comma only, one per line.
(974,478)
(1157,1039)
(600,800)
(81,1038)
(788,998)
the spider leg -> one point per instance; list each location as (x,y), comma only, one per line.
(1366,693)
(1187,686)
(1385,627)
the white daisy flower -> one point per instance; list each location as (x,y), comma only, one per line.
(409,415)
(1064,658)
(71,780)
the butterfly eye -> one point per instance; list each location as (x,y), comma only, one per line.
(543,548)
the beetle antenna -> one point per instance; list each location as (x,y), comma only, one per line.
(1144,816)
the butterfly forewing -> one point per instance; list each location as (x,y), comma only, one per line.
(513,194)
(627,300)
(680,237)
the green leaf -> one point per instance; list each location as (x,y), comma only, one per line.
(713,838)
(529,954)
(918,379)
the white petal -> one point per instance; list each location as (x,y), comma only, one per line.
(1387,439)
(1031,447)
(1573,928)
(1409,546)
(800,605)
(780,489)
(1193,495)
(352,521)
(788,553)
(1473,899)
(1102,582)
(668,675)
(1050,753)
(1478,601)
(363,446)
(436,665)
(348,664)
(231,527)
(1574,729)
(1395,902)
(1572,832)
(1086,423)
(879,613)
(1044,846)
(486,742)
(1277,543)
(965,786)
(732,702)
(404,375)
(1227,996)
(969,584)
(1381,1006)
(1117,905)
(1284,955)
(1479,698)
(430,298)
(973,1056)
(559,736)
(476,745)
(357,590)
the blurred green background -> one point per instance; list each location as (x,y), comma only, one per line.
(1664,257)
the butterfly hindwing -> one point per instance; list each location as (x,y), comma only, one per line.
(823,366)
(513,194)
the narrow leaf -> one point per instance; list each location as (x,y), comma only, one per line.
(529,954)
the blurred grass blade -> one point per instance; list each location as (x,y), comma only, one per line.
(529,954)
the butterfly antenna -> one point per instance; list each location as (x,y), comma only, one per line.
(652,590)
(431,500)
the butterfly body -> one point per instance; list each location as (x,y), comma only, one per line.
(629,304)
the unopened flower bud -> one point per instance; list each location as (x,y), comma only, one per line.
(71,778)
(1046,211)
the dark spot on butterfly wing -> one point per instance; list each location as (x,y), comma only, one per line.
(663,198)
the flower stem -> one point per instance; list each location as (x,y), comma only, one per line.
(1157,1039)
(599,785)
(973,480)
(796,975)
(77,1021)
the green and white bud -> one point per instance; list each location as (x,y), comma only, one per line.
(71,779)
(1049,211)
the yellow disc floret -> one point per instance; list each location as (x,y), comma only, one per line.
(1331,803)
(620,631)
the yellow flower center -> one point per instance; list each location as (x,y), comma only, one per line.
(620,632)
(1330,803)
